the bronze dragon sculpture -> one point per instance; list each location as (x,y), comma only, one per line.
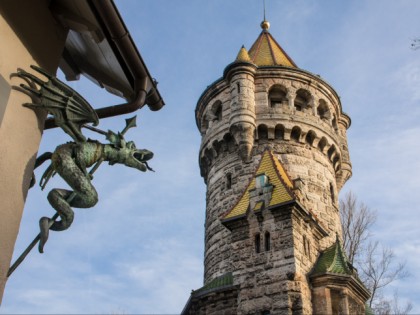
(71,160)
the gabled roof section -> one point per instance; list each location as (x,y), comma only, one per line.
(267,52)
(282,186)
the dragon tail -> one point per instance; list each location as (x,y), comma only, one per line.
(49,172)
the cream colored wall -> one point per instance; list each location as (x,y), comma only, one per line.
(25,41)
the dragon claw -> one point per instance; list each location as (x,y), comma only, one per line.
(44,225)
(30,89)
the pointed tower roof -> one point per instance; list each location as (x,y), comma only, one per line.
(243,55)
(267,52)
(282,187)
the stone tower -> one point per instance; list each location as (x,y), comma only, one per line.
(274,157)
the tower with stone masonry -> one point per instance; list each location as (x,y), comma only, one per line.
(274,157)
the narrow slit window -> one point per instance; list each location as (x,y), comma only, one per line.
(257,243)
(228,181)
(332,193)
(267,241)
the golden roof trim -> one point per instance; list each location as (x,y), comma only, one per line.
(282,191)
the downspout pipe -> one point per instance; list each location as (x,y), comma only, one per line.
(119,34)
(144,87)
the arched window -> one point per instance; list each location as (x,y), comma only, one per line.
(295,134)
(336,162)
(267,241)
(209,155)
(279,132)
(322,143)
(302,99)
(277,95)
(217,146)
(257,243)
(310,137)
(217,110)
(331,152)
(230,142)
(239,87)
(323,111)
(334,123)
(262,132)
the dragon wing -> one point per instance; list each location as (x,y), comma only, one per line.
(69,109)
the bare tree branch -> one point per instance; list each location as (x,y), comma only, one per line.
(356,220)
(392,307)
(379,269)
(415,44)
(376,264)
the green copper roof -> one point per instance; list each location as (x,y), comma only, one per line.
(222,281)
(368,310)
(333,260)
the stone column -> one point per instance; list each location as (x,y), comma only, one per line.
(29,36)
(242,108)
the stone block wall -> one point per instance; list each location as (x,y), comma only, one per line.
(305,128)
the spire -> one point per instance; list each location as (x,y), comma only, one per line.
(265,25)
(243,55)
(267,52)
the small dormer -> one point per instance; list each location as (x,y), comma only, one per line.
(269,187)
(260,196)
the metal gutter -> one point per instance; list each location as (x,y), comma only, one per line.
(145,91)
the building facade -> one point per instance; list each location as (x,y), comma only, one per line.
(81,38)
(274,157)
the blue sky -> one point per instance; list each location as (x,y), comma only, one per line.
(140,249)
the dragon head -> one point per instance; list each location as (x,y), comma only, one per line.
(136,158)
(129,155)
(126,152)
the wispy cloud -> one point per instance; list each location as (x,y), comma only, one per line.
(140,250)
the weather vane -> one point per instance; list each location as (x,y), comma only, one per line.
(71,160)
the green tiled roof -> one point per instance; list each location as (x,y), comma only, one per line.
(333,260)
(368,310)
(222,281)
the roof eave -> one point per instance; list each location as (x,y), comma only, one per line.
(143,86)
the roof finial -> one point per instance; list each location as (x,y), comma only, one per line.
(264,8)
(265,25)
